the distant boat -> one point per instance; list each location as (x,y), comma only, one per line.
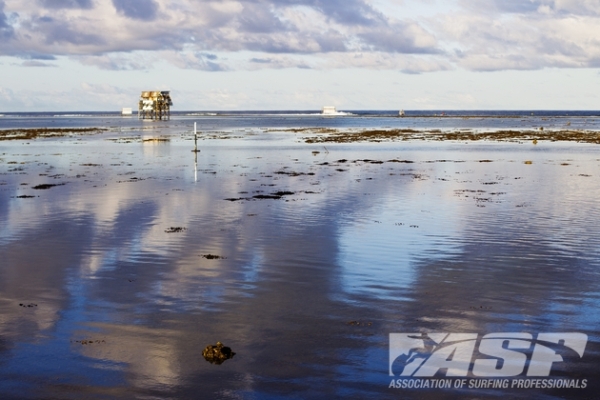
(401,113)
(126,111)
(328,110)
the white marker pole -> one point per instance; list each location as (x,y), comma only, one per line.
(195,154)
(195,138)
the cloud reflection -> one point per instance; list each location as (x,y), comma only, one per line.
(419,246)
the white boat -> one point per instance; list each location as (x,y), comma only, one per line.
(329,110)
(401,113)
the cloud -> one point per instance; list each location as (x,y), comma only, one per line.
(6,30)
(519,41)
(345,12)
(505,6)
(577,7)
(194,60)
(534,7)
(115,62)
(34,63)
(145,10)
(349,12)
(109,95)
(278,26)
(476,35)
(35,56)
(60,32)
(261,60)
(54,4)
(409,64)
(6,94)
(259,19)
(277,62)
(408,38)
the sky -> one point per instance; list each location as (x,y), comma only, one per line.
(67,55)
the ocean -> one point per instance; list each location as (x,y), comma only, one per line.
(418,269)
(419,119)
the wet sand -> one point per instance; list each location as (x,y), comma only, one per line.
(124,255)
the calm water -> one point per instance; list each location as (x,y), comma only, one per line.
(367,240)
(419,119)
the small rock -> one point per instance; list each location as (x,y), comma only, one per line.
(217,354)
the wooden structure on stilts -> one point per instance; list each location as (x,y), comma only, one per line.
(155,105)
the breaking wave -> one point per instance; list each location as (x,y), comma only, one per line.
(72,115)
(337,113)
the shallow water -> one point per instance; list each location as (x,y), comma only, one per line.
(374,239)
(359,119)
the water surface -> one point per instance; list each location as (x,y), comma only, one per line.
(366,239)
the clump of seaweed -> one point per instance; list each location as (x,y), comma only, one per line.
(371,135)
(212,257)
(293,173)
(311,130)
(34,133)
(273,196)
(175,229)
(266,196)
(379,135)
(44,186)
(217,354)
(88,341)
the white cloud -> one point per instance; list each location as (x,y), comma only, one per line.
(119,43)
(477,35)
(520,39)
(100,32)
(116,61)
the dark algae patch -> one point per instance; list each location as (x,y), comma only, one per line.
(44,186)
(34,133)
(212,257)
(293,173)
(379,135)
(175,229)
(266,196)
(273,196)
(88,341)
(371,135)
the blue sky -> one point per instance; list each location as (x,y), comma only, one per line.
(65,55)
